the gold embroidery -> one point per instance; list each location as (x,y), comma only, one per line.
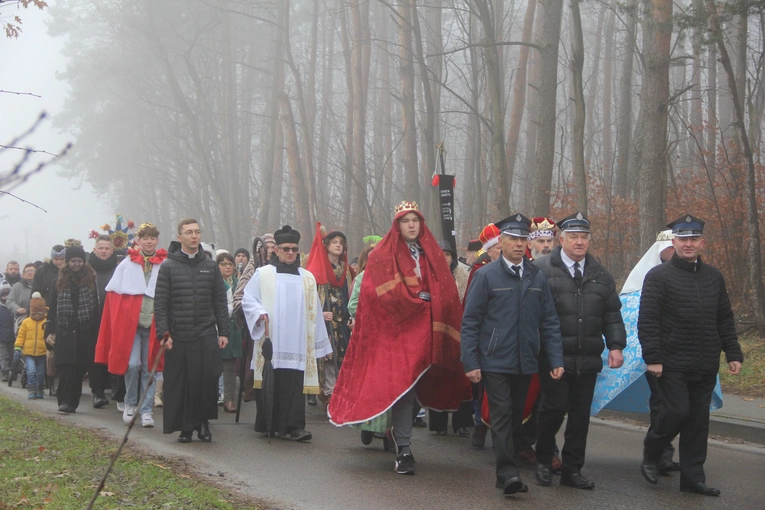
(388,286)
(447,330)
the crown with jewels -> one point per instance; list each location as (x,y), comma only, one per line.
(406,206)
(542,223)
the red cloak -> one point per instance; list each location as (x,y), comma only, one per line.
(399,340)
(119,321)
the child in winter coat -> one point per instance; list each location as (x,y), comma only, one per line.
(6,332)
(31,343)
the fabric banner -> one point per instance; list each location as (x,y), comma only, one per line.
(446,200)
(625,388)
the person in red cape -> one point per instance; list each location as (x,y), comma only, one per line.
(127,326)
(405,344)
(328,262)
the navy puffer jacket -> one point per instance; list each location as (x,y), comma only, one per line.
(587,313)
(190,299)
(686,318)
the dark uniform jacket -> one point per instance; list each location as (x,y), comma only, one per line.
(45,281)
(190,297)
(686,318)
(586,313)
(505,318)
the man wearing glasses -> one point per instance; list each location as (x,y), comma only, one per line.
(282,297)
(190,306)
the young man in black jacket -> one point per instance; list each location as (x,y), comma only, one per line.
(190,305)
(685,322)
(588,307)
(509,316)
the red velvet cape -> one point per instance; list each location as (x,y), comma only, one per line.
(400,341)
(119,323)
(319,265)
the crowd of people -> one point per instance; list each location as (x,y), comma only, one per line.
(510,339)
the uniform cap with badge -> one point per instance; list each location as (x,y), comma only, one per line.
(687,225)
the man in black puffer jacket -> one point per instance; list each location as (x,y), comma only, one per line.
(190,305)
(588,307)
(685,321)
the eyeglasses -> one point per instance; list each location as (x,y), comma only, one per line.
(226,264)
(293,249)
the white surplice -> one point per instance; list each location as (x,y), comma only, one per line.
(292,323)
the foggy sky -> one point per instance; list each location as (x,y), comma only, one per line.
(29,64)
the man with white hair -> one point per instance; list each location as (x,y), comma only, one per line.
(542,237)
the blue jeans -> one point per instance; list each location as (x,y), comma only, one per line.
(138,369)
(35,372)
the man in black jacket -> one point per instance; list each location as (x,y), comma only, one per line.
(588,307)
(685,321)
(509,315)
(190,305)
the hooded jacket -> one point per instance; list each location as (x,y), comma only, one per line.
(31,338)
(587,313)
(190,297)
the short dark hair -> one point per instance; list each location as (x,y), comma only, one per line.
(183,223)
(11,262)
(103,237)
(224,256)
(29,264)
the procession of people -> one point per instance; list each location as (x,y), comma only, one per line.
(509,341)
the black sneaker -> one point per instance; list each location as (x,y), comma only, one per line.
(312,400)
(66,409)
(404,464)
(99,401)
(300,435)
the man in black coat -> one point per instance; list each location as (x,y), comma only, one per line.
(588,307)
(685,322)
(104,262)
(190,306)
(509,315)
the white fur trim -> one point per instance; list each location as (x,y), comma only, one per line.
(491,242)
(128,279)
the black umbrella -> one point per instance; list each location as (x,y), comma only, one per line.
(266,393)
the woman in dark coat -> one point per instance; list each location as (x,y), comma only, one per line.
(72,326)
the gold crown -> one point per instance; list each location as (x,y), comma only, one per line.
(406,205)
(542,224)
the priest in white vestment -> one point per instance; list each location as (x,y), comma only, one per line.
(283,295)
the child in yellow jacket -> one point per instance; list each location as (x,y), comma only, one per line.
(30,342)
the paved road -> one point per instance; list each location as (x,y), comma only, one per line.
(335,471)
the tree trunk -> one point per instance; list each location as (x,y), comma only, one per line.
(532,119)
(297,177)
(408,117)
(593,88)
(754,256)
(608,82)
(548,82)
(519,92)
(577,66)
(657,33)
(624,134)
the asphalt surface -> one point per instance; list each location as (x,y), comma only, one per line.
(336,471)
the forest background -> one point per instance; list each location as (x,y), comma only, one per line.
(249,114)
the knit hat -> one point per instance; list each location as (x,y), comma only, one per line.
(58,251)
(75,252)
(242,250)
(268,238)
(37,304)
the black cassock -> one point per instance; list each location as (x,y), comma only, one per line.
(190,390)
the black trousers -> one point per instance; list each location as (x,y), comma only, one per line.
(98,376)
(461,418)
(118,387)
(70,384)
(571,394)
(507,397)
(289,403)
(654,404)
(684,409)
(190,389)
